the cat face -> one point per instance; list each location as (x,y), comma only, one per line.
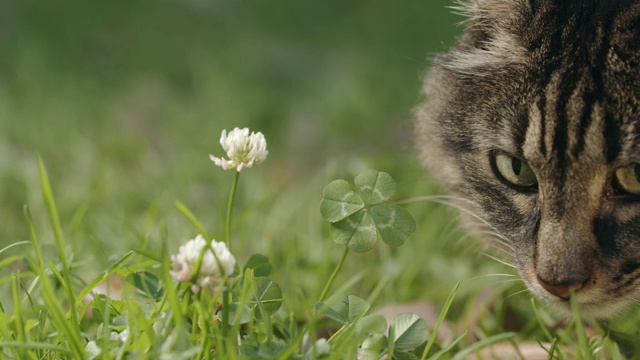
(533,121)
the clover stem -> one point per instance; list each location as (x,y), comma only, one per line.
(232,197)
(334,275)
(225,316)
(225,292)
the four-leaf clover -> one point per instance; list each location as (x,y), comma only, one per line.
(359,215)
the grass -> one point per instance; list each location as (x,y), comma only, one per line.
(124,102)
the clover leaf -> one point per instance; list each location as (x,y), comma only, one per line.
(394,223)
(147,284)
(409,331)
(259,264)
(357,231)
(375,186)
(373,347)
(370,324)
(350,311)
(267,295)
(359,215)
(339,200)
(345,309)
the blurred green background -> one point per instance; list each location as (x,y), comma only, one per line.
(125,100)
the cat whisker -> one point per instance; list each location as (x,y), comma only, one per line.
(452,227)
(516,293)
(454,202)
(497,247)
(496,237)
(500,249)
(426,198)
(503,262)
(496,242)
(503,251)
(440,198)
(493,275)
(507,281)
(464,237)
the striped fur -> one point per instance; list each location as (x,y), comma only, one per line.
(556,84)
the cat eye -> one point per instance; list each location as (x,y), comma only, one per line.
(628,179)
(513,171)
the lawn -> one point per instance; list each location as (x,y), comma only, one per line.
(123,102)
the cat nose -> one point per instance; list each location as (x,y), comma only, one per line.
(561,290)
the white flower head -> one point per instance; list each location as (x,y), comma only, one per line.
(210,274)
(243,150)
(92,349)
(122,336)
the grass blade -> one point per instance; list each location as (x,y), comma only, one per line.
(34,345)
(439,354)
(33,238)
(17,316)
(585,350)
(192,219)
(148,254)
(47,193)
(19,243)
(486,342)
(9,260)
(171,294)
(103,276)
(52,303)
(441,317)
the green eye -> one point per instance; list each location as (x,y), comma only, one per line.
(513,171)
(628,179)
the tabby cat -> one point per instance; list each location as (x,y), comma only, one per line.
(532,121)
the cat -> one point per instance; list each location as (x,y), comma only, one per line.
(532,121)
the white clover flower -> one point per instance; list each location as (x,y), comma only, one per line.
(124,335)
(184,263)
(92,349)
(243,150)
(320,347)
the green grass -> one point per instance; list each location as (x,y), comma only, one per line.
(124,102)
